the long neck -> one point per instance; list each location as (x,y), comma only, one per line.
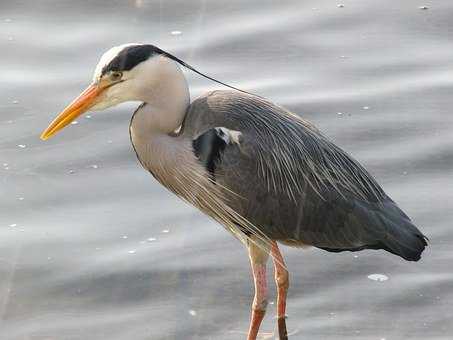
(162,113)
(166,101)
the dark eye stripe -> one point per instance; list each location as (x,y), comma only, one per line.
(130,57)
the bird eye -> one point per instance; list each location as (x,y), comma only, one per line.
(116,75)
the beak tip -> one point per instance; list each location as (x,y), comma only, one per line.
(79,105)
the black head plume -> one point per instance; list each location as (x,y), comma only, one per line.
(133,55)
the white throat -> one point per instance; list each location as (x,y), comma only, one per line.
(165,94)
(163,111)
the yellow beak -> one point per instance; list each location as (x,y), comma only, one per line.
(79,105)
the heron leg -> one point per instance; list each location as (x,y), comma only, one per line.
(282,282)
(258,254)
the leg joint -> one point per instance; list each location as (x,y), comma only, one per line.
(260,305)
(282,279)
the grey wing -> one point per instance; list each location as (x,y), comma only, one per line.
(293,183)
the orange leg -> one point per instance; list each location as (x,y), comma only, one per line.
(282,281)
(258,254)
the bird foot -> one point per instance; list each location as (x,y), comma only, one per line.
(266,335)
(282,332)
(260,336)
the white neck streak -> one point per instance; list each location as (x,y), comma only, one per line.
(166,95)
(171,159)
(166,100)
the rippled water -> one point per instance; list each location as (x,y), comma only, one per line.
(91,247)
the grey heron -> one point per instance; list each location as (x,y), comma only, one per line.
(265,174)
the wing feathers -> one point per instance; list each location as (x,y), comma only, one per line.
(297,185)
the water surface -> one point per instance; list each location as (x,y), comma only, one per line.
(77,211)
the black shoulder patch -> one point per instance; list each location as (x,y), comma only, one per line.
(130,57)
(209,148)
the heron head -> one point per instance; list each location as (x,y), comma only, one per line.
(124,73)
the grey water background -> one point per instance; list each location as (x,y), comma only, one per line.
(92,247)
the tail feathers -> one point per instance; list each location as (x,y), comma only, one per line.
(396,233)
(384,227)
(402,238)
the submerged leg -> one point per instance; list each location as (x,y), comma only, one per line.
(282,281)
(258,254)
